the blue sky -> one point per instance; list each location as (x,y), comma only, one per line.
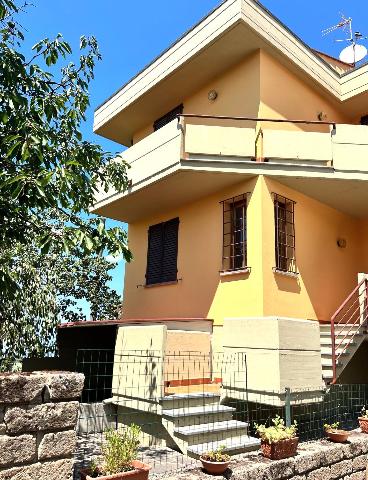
(127,46)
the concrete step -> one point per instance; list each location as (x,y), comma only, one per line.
(234,445)
(186,400)
(183,417)
(327,351)
(211,432)
(327,363)
(328,341)
(342,334)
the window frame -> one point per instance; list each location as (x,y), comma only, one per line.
(229,209)
(284,217)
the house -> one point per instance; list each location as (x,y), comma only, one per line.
(247,205)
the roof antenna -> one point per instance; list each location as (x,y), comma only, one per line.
(355,52)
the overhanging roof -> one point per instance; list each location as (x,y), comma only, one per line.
(235,29)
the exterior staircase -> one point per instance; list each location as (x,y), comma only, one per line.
(349,338)
(341,338)
(197,422)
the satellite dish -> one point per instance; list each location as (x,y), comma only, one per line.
(353,54)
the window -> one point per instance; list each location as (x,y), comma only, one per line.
(284,234)
(162,252)
(364,120)
(168,117)
(234,255)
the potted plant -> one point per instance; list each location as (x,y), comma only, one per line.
(215,461)
(278,441)
(363,420)
(335,434)
(119,457)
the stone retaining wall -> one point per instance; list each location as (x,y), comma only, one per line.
(321,460)
(38,416)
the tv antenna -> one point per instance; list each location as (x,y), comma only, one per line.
(355,52)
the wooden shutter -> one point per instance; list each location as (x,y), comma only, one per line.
(170,256)
(162,252)
(168,117)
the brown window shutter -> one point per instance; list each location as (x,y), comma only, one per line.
(162,252)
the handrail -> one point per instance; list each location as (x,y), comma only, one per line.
(353,312)
(255,119)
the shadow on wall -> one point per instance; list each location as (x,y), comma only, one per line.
(356,371)
(287,284)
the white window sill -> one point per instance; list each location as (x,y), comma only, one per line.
(285,274)
(230,273)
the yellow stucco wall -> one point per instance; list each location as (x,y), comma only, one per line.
(284,95)
(260,86)
(201,291)
(327,273)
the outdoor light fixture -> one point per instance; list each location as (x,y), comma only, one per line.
(341,242)
(212,95)
(322,116)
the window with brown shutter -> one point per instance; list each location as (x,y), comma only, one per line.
(162,252)
(168,117)
(284,234)
(234,255)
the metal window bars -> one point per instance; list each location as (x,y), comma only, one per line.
(284,234)
(234,256)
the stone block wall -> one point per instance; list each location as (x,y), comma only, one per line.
(320,460)
(38,418)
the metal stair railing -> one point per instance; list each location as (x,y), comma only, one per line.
(353,312)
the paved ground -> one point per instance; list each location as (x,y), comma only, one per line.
(162,459)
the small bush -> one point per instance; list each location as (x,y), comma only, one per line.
(120,449)
(277,432)
(217,455)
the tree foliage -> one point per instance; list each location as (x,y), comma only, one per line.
(51,248)
(44,161)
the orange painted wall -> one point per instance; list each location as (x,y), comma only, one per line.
(202,292)
(260,86)
(327,273)
(285,95)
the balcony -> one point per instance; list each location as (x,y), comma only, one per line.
(190,153)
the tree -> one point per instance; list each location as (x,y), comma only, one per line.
(49,175)
(51,286)
(44,161)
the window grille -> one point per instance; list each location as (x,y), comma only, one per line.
(168,117)
(284,234)
(234,256)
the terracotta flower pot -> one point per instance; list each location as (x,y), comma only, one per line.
(363,422)
(215,468)
(140,472)
(338,436)
(279,450)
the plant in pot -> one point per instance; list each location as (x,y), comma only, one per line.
(335,434)
(363,420)
(215,461)
(119,457)
(278,441)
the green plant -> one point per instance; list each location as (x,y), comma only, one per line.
(276,432)
(120,449)
(364,412)
(217,455)
(331,428)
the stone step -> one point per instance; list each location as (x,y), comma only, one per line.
(342,334)
(211,427)
(184,417)
(211,432)
(194,411)
(240,444)
(182,400)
